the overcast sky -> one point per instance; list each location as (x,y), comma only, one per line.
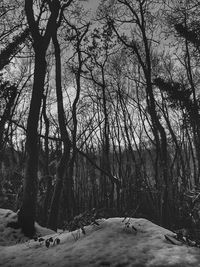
(93,4)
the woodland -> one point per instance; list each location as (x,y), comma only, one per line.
(99,111)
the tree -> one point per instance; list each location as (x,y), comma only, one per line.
(8,93)
(27,213)
(98,54)
(139,40)
(64,182)
(64,161)
(12,48)
(185,21)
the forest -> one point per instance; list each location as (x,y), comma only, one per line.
(99,111)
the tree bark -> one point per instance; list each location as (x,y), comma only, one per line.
(63,164)
(27,213)
(26,216)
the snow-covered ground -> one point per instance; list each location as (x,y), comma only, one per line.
(111,243)
(10,236)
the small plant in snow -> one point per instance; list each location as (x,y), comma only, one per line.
(80,221)
(77,234)
(128,225)
(48,242)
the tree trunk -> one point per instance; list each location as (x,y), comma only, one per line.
(63,165)
(27,212)
(26,216)
(68,192)
(47,173)
(55,204)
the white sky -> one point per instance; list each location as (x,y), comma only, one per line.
(93,3)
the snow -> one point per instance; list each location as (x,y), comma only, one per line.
(111,243)
(10,236)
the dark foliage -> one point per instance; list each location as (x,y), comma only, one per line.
(187,225)
(192,35)
(177,93)
(8,93)
(179,97)
(12,48)
(89,217)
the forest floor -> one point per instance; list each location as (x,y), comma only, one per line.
(111,242)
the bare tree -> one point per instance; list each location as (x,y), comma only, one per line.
(27,213)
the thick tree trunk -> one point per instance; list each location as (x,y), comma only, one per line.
(26,216)
(41,42)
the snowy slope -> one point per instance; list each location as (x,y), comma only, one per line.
(110,243)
